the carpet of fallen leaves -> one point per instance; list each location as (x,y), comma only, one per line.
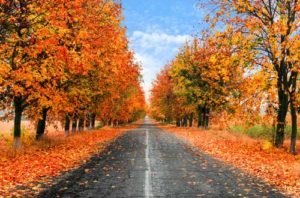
(38,162)
(256,157)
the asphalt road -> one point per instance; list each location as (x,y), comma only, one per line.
(148,162)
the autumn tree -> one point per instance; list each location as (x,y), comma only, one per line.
(24,38)
(66,59)
(271,29)
(162,97)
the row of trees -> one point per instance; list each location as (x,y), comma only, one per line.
(249,63)
(68,61)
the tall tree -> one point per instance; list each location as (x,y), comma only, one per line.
(271,29)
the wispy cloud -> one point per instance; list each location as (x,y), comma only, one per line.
(157,39)
(153,50)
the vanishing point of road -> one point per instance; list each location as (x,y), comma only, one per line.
(149,162)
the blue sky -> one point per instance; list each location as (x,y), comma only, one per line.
(157,29)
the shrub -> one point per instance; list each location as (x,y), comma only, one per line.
(237,129)
(260,132)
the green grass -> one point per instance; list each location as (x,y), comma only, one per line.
(237,129)
(261,131)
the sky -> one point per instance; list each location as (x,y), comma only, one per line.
(157,29)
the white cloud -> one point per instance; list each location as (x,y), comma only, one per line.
(157,39)
(154,50)
(151,67)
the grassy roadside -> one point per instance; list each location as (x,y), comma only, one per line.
(274,166)
(261,131)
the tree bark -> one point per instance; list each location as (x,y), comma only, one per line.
(199,109)
(191,118)
(81,123)
(74,125)
(17,121)
(294,129)
(293,115)
(206,123)
(88,121)
(185,121)
(281,116)
(41,126)
(93,120)
(67,124)
(178,122)
(203,117)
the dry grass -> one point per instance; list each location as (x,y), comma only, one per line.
(7,127)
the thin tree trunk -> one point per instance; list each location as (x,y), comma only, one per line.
(88,121)
(74,125)
(41,126)
(93,120)
(178,122)
(199,116)
(281,118)
(294,129)
(203,117)
(67,124)
(81,123)
(293,115)
(185,120)
(206,118)
(17,121)
(191,118)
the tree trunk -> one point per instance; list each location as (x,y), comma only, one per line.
(67,124)
(115,123)
(203,117)
(74,125)
(88,121)
(199,109)
(206,123)
(178,122)
(294,129)
(293,115)
(185,120)
(191,118)
(81,123)
(281,117)
(93,120)
(41,126)
(17,121)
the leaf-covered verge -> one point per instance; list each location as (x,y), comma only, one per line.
(23,172)
(256,157)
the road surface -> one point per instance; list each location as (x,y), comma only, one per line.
(148,162)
